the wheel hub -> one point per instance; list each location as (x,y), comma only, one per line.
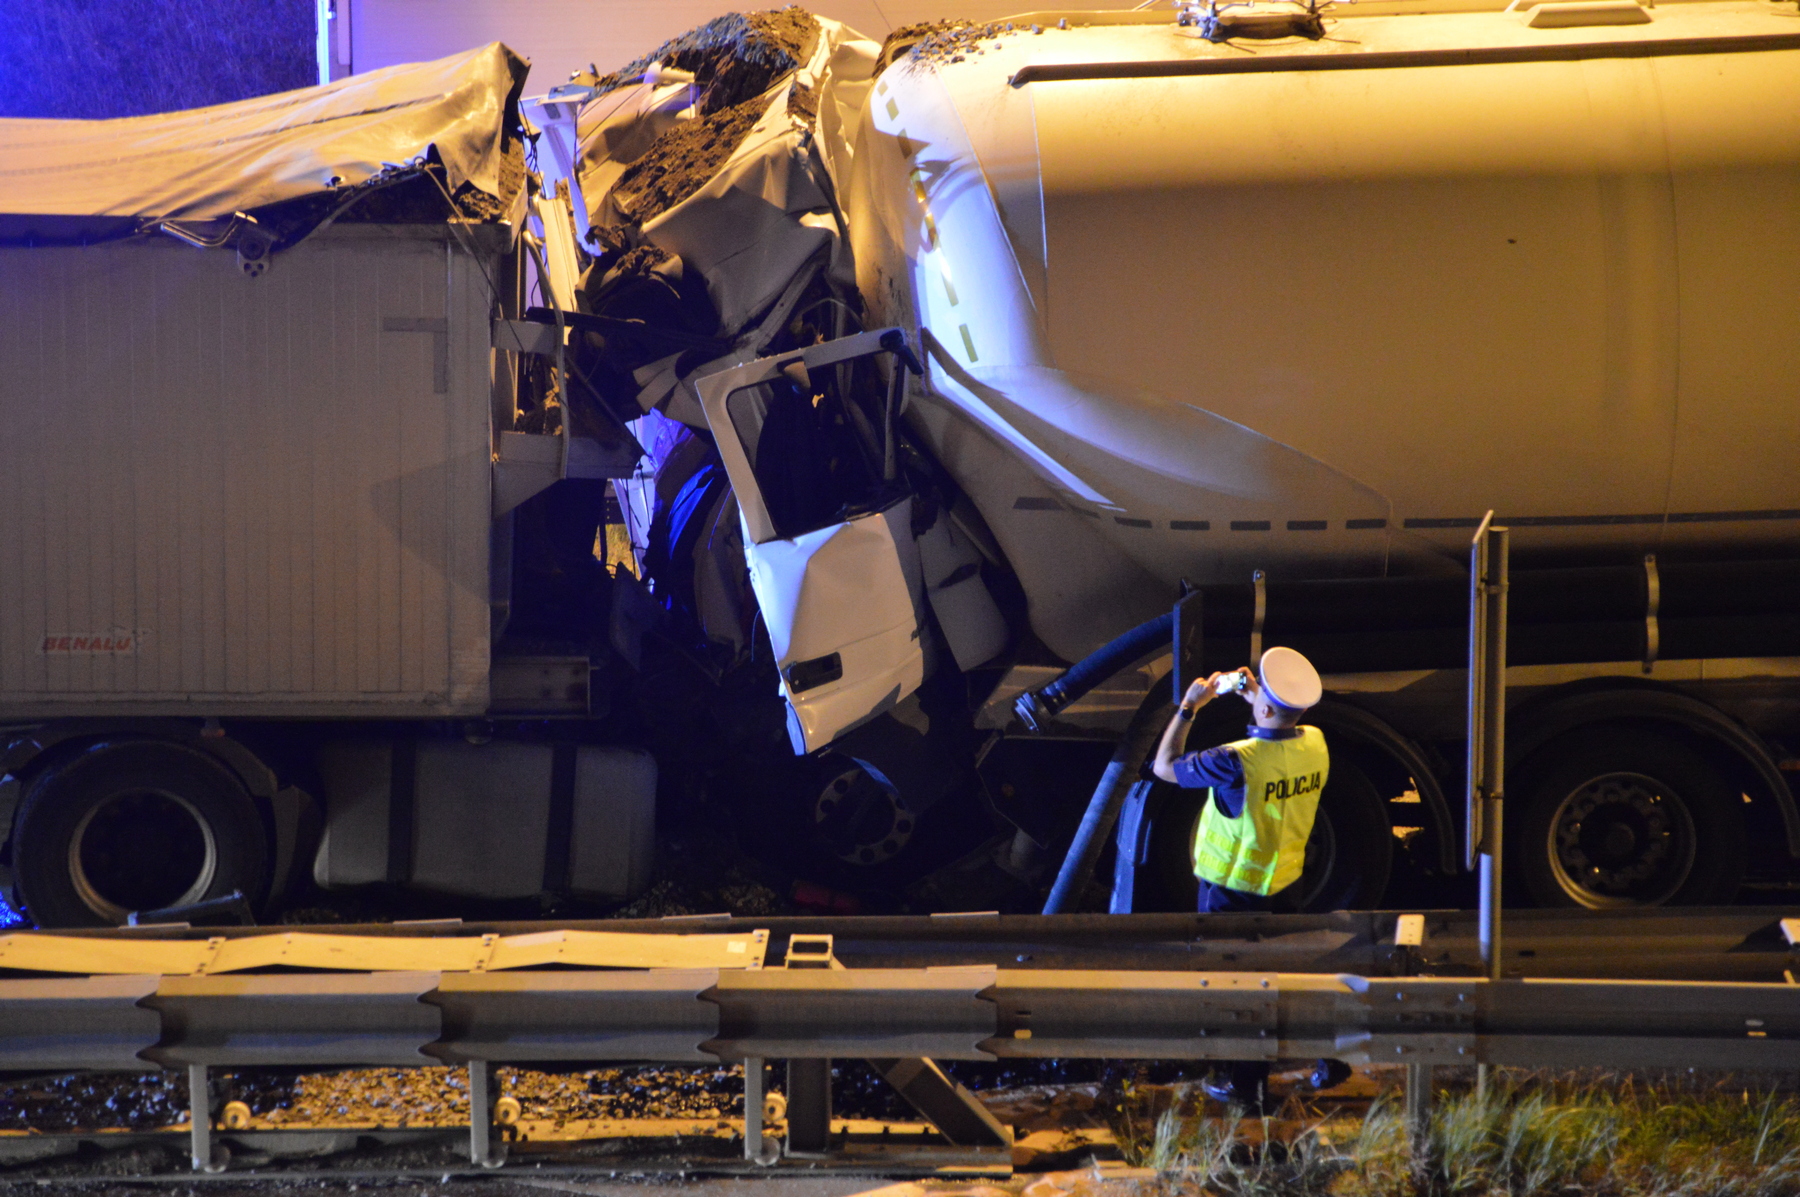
(861,818)
(1622,839)
(141,850)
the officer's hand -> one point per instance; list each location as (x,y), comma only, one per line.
(1200,692)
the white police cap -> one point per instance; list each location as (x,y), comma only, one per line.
(1290,679)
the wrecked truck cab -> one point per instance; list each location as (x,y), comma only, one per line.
(838,587)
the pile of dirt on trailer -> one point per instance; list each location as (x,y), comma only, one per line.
(907,36)
(733,57)
(803,104)
(943,42)
(681,161)
(418,198)
(734,60)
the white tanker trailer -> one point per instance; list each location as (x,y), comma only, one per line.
(1311,306)
(1280,317)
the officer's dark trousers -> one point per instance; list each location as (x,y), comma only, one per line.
(1249,1078)
(1216,899)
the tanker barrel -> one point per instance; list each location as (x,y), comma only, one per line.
(1555,617)
(1692,590)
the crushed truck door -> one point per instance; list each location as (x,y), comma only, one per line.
(827,530)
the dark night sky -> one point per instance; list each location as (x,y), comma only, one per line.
(104,58)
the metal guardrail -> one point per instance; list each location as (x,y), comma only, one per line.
(815,1008)
(353,1019)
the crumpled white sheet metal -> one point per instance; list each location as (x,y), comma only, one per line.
(950,568)
(207,163)
(767,211)
(844,589)
(748,229)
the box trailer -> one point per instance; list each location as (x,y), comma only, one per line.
(259,470)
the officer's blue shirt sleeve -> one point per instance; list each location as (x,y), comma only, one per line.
(1219,768)
(1223,770)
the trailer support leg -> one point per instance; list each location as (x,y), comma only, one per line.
(809,1107)
(1488,584)
(1103,808)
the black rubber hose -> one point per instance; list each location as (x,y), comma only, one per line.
(1036,707)
(1109,796)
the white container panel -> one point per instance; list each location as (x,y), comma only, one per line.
(228,495)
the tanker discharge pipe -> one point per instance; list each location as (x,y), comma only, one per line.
(1036,708)
(1122,772)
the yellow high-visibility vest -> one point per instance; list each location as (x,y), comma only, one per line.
(1263,849)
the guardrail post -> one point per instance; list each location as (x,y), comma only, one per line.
(1418,1115)
(809,1107)
(207,1156)
(758,1147)
(481,1115)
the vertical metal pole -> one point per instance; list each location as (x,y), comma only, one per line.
(1487,728)
(1258,582)
(757,1148)
(200,1119)
(1472,806)
(809,1106)
(753,1106)
(1418,1101)
(1494,753)
(481,1114)
(1418,1118)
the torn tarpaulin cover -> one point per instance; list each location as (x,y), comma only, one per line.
(62,180)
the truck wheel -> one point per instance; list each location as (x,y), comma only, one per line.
(859,817)
(1351,853)
(1616,818)
(865,832)
(1348,858)
(135,825)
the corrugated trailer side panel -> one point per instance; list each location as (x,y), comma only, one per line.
(255,496)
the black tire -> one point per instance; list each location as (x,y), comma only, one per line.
(1349,857)
(135,825)
(1615,818)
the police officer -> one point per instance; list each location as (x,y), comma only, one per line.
(1251,842)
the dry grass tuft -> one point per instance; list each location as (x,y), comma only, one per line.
(1531,1134)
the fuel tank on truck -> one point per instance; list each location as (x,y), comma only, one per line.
(1194,308)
